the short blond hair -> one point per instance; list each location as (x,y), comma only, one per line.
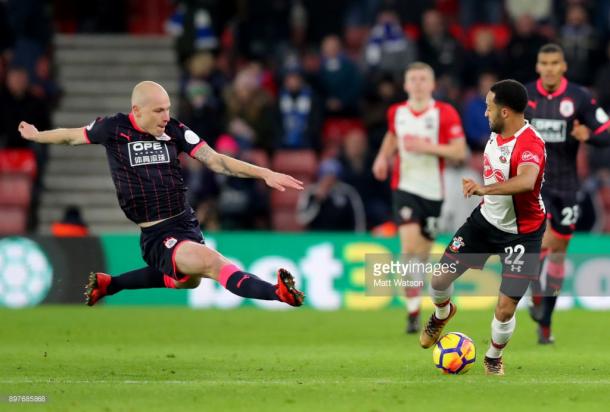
(420,66)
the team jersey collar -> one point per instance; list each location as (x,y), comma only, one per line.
(503,140)
(132,119)
(563,85)
(419,113)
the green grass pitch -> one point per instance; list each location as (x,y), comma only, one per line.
(178,359)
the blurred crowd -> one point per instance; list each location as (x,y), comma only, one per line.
(264,78)
(28,92)
(275,76)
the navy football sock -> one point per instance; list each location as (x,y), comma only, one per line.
(246,284)
(554,282)
(144,278)
(547,311)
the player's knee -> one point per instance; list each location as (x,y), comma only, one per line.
(441,282)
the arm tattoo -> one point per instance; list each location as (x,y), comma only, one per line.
(226,170)
(217,163)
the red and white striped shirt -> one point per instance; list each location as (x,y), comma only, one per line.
(417,173)
(522,212)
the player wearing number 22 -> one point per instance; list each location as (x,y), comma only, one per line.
(509,222)
(142,149)
(565,115)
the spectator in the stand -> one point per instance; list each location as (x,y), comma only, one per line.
(437,47)
(250,111)
(231,202)
(196,24)
(356,163)
(484,57)
(340,80)
(299,113)
(580,44)
(17,102)
(330,204)
(476,124)
(43,84)
(354,41)
(71,225)
(522,50)
(201,105)
(388,50)
(384,93)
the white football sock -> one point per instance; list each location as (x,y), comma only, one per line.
(441,296)
(500,334)
(413,304)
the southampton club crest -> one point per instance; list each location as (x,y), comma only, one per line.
(456,244)
(170,242)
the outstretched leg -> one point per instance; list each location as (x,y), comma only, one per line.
(198,260)
(102,284)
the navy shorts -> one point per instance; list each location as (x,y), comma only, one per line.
(159,242)
(478,239)
(562,211)
(410,208)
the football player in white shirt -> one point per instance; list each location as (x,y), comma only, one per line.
(509,222)
(422,133)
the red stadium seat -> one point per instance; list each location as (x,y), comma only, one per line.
(335,129)
(457,32)
(18,161)
(412,31)
(284,220)
(13,220)
(287,198)
(256,156)
(302,164)
(15,190)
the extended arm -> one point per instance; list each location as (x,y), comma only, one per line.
(454,150)
(74,136)
(387,150)
(227,165)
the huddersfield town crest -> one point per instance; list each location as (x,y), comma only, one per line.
(566,107)
(456,244)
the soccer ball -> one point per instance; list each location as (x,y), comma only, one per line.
(454,353)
